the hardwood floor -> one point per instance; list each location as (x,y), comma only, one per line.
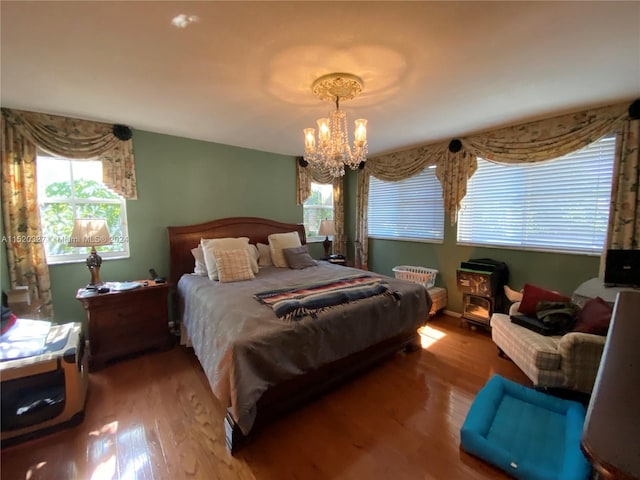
(154,417)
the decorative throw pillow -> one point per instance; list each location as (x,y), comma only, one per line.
(211,245)
(280,241)
(298,257)
(264,255)
(234,265)
(532,295)
(201,267)
(594,317)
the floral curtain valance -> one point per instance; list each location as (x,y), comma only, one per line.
(305,175)
(452,170)
(546,139)
(82,139)
(456,161)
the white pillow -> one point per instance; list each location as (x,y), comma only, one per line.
(201,267)
(211,245)
(234,265)
(254,254)
(280,241)
(264,255)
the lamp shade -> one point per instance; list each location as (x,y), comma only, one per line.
(327,228)
(89,232)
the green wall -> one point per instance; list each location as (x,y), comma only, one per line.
(559,272)
(182,182)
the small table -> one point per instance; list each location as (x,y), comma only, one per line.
(595,287)
(122,322)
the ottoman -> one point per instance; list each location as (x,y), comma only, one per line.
(527,433)
(439,298)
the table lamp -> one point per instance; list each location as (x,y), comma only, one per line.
(327,228)
(91,232)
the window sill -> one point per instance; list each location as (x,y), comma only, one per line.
(315,240)
(83,260)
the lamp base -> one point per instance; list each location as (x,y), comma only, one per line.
(93,263)
(327,246)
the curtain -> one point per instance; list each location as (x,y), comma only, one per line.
(24,132)
(528,142)
(546,139)
(304,177)
(362,219)
(82,139)
(21,216)
(339,240)
(624,213)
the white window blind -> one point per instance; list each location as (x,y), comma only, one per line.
(411,209)
(558,205)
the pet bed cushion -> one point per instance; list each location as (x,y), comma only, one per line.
(527,433)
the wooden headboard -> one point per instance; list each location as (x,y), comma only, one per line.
(183,239)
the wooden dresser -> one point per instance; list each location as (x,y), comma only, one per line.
(120,323)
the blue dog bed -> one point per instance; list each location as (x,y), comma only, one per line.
(529,434)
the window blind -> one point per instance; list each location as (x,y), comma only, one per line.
(410,209)
(558,205)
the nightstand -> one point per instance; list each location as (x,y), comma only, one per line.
(123,322)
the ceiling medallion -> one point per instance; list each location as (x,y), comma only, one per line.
(337,85)
(332,150)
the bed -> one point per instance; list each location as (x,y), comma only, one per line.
(260,366)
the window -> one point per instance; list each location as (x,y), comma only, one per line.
(411,209)
(319,206)
(560,205)
(69,189)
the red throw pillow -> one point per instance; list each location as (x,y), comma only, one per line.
(594,317)
(532,295)
(9,323)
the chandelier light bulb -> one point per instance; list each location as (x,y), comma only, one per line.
(324,132)
(309,139)
(361,131)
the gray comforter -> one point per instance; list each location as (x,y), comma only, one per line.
(244,348)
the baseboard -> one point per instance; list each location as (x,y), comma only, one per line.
(452,313)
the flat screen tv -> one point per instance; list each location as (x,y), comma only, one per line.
(622,268)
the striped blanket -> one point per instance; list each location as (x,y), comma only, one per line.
(295,303)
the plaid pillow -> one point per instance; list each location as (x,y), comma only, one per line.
(234,265)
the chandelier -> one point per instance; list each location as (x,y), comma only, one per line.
(332,151)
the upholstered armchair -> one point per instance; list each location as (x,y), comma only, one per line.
(569,361)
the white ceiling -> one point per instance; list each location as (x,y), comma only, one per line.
(242,74)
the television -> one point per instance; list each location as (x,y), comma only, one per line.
(622,268)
